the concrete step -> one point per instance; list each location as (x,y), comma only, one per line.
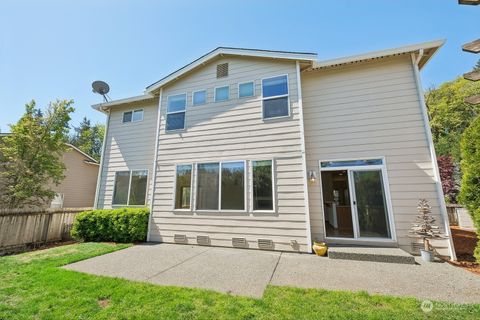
(390,255)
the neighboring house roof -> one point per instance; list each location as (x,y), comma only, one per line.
(89,161)
(428,49)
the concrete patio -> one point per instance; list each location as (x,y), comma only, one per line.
(248,272)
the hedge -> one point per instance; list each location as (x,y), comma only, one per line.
(117,225)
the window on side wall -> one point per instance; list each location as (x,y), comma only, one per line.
(183,186)
(133,116)
(275,97)
(246,89)
(130,188)
(176,112)
(199,97)
(222,93)
(262,181)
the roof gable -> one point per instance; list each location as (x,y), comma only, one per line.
(226,51)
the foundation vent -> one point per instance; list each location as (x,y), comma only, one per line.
(222,70)
(203,240)
(180,238)
(265,244)
(239,242)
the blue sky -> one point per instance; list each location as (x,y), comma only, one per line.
(54,49)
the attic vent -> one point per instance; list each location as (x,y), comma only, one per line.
(180,238)
(203,240)
(239,242)
(265,244)
(222,70)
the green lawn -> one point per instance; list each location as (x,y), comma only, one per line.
(32,286)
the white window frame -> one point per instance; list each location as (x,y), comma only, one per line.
(253,93)
(275,97)
(175,187)
(175,112)
(129,187)
(383,168)
(215,93)
(274,195)
(245,182)
(193,100)
(132,111)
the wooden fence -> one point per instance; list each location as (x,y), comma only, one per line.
(21,229)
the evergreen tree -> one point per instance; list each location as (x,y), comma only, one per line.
(88,138)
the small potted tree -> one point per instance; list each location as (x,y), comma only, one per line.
(425,229)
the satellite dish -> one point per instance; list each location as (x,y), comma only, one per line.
(101,88)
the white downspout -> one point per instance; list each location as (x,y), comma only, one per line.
(304,160)
(436,172)
(100,169)
(155,156)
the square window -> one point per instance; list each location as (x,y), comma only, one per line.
(222,93)
(176,121)
(246,90)
(277,107)
(130,188)
(276,86)
(199,97)
(137,115)
(127,116)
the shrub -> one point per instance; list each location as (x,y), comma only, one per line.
(476,222)
(118,225)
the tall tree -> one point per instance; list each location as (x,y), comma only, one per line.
(88,138)
(31,155)
(450,115)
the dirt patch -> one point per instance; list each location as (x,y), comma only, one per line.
(103,302)
(465,241)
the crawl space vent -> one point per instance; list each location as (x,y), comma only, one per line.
(203,240)
(239,242)
(222,70)
(265,244)
(180,238)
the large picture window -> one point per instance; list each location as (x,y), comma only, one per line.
(130,188)
(176,112)
(275,97)
(262,180)
(183,186)
(221,186)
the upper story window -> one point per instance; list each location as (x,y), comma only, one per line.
(222,93)
(133,116)
(275,97)
(199,97)
(246,89)
(176,112)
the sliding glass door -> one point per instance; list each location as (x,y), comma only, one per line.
(354,199)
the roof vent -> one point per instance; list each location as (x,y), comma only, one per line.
(222,70)
(180,238)
(239,242)
(265,244)
(203,240)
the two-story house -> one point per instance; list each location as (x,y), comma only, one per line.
(270,150)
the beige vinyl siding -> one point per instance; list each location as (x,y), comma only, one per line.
(129,146)
(226,131)
(370,110)
(78,187)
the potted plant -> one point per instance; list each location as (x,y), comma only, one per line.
(425,229)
